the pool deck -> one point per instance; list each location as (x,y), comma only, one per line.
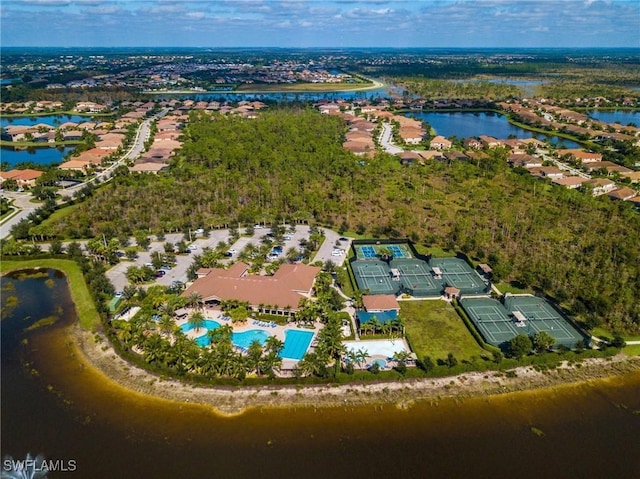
(278,330)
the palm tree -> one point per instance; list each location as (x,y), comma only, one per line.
(196,321)
(195,299)
(361,357)
(375,324)
(167,325)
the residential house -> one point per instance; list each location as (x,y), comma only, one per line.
(623,194)
(24,178)
(440,143)
(600,186)
(570,182)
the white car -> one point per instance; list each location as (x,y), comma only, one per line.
(192,247)
(337,252)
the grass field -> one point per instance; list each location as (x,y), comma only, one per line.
(85,308)
(632,350)
(59,214)
(513,287)
(435,330)
(434,251)
(600,332)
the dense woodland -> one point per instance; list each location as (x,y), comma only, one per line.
(289,164)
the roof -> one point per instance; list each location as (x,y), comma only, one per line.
(380,302)
(285,288)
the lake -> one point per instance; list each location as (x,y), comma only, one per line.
(624,117)
(279,96)
(41,156)
(53,120)
(473,124)
(54,406)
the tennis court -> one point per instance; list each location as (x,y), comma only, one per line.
(372,251)
(375,277)
(416,277)
(492,320)
(457,272)
(539,315)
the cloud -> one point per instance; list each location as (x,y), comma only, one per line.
(196,15)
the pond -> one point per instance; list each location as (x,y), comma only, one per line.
(41,156)
(473,124)
(624,117)
(53,120)
(54,406)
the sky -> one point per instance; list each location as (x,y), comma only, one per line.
(320,23)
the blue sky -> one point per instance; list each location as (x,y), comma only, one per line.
(321,23)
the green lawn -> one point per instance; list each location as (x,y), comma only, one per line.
(435,329)
(600,332)
(435,251)
(87,313)
(513,287)
(61,213)
(633,350)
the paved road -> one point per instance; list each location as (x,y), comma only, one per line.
(22,201)
(385,140)
(331,244)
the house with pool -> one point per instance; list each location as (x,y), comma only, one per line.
(279,294)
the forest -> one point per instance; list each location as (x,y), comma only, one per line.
(289,165)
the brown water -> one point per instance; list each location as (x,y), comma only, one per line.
(67,413)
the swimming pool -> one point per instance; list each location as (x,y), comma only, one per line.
(242,339)
(208,325)
(382,364)
(296,343)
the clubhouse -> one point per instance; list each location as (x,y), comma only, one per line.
(277,294)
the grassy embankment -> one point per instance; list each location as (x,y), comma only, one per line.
(85,308)
(435,329)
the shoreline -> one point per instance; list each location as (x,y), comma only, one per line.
(235,400)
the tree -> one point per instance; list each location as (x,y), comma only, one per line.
(401,358)
(195,299)
(196,320)
(56,247)
(426,364)
(451,360)
(520,346)
(543,341)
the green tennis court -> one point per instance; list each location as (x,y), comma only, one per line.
(457,272)
(375,277)
(498,322)
(542,316)
(417,278)
(491,319)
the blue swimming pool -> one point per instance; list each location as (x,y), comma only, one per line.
(243,339)
(296,343)
(208,325)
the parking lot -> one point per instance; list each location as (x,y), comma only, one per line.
(117,274)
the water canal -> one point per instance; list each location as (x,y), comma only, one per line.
(52,406)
